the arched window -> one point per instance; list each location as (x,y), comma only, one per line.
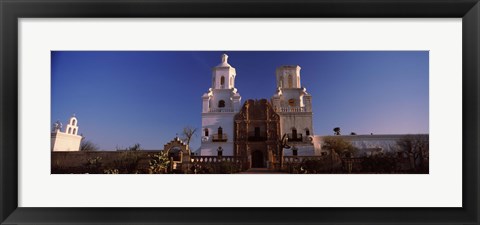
(291,102)
(74,131)
(221,104)
(307,132)
(294,133)
(69,130)
(206,132)
(290,81)
(294,152)
(222,80)
(73,122)
(219,151)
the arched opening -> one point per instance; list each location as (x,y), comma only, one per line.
(175,153)
(294,152)
(290,81)
(220,133)
(291,102)
(258,159)
(222,81)
(257,132)
(74,131)
(221,104)
(206,132)
(73,122)
(69,130)
(294,133)
(307,131)
(220,151)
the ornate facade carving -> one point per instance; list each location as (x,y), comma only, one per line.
(257,134)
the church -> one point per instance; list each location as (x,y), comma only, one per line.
(252,132)
(276,134)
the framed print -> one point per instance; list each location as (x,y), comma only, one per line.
(239,112)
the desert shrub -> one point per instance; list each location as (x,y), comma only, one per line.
(159,163)
(93,165)
(379,164)
(127,162)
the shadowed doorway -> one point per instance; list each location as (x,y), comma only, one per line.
(257,159)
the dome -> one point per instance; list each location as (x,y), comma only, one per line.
(224,62)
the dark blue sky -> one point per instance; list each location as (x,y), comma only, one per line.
(122,98)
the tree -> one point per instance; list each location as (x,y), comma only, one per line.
(134,147)
(338,145)
(86,145)
(417,148)
(336,131)
(188,134)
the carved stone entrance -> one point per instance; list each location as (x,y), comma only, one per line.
(257,135)
(258,159)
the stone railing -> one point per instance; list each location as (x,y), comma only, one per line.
(213,159)
(292,109)
(221,110)
(299,159)
(295,138)
(219,138)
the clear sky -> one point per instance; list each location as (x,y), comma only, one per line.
(125,97)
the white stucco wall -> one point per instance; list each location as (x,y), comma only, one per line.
(298,120)
(222,94)
(302,150)
(65,142)
(212,121)
(296,94)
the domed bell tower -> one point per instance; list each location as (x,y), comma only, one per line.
(219,106)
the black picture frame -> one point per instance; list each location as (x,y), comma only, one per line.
(11,11)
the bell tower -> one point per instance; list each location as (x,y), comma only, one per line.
(224,75)
(72,126)
(219,106)
(293,104)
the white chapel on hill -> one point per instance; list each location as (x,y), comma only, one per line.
(67,140)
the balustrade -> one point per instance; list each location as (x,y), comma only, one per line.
(213,159)
(293,109)
(295,138)
(219,138)
(221,110)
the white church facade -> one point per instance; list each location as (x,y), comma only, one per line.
(222,102)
